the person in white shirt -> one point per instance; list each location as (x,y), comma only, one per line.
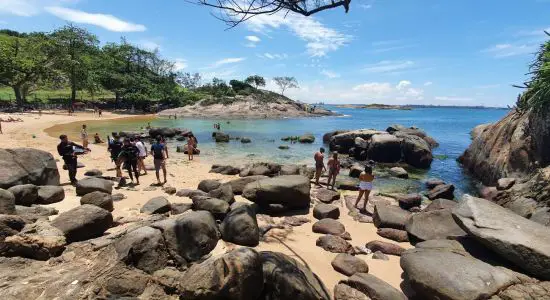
(142,155)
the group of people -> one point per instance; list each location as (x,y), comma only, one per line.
(366,177)
(217,126)
(98,111)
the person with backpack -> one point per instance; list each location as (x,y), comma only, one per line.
(160,154)
(129,155)
(69,151)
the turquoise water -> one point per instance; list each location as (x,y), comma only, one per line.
(449,126)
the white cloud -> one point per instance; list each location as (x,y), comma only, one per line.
(22,8)
(330,74)
(227,61)
(253,38)
(453,99)
(273,56)
(365,6)
(108,22)
(320,40)
(180,64)
(428,83)
(507,50)
(374,88)
(386,66)
(403,84)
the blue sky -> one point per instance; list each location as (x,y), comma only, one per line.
(466,52)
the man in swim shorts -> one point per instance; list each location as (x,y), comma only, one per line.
(159,153)
(319,164)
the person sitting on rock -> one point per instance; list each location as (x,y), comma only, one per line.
(365,186)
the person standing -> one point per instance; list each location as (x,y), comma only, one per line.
(365,186)
(129,155)
(333,165)
(142,155)
(66,149)
(191,144)
(115,146)
(84,136)
(160,154)
(319,164)
(99,113)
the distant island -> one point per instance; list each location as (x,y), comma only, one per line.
(375,106)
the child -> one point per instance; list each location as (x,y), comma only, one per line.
(365,186)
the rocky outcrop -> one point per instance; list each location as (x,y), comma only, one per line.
(7,202)
(157,205)
(368,286)
(25,165)
(237,185)
(98,199)
(322,211)
(433,225)
(25,194)
(241,227)
(292,191)
(389,216)
(83,222)
(49,194)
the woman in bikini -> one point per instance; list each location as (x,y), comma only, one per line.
(333,170)
(365,186)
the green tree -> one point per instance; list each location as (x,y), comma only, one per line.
(188,80)
(255,80)
(75,50)
(24,61)
(285,83)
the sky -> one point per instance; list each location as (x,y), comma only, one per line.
(441,52)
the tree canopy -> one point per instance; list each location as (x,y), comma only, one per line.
(285,83)
(537,93)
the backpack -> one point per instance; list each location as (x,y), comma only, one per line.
(158,151)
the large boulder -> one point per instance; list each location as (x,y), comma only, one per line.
(224,192)
(10,225)
(98,199)
(326,195)
(261,168)
(416,151)
(25,194)
(144,249)
(157,205)
(225,170)
(322,211)
(307,138)
(93,184)
(399,172)
(444,191)
(409,201)
(334,244)
(385,148)
(389,216)
(38,240)
(236,275)
(292,191)
(241,227)
(393,234)
(433,225)
(505,183)
(519,240)
(83,222)
(208,185)
(7,202)
(372,287)
(327,136)
(220,137)
(348,264)
(438,204)
(25,165)
(285,278)
(344,141)
(49,194)
(218,208)
(385,247)
(35,212)
(329,226)
(237,185)
(164,132)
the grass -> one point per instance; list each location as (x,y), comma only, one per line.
(6,94)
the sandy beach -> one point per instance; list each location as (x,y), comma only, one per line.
(299,242)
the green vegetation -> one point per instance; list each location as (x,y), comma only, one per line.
(537,94)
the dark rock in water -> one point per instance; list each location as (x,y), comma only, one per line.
(322,211)
(433,225)
(444,191)
(327,196)
(344,141)
(225,170)
(208,185)
(334,244)
(49,194)
(91,184)
(409,201)
(93,172)
(223,192)
(25,194)
(348,264)
(327,136)
(218,208)
(399,172)
(7,202)
(38,240)
(25,165)
(373,287)
(237,185)
(307,138)
(164,132)
(431,141)
(385,247)
(416,151)
(246,140)
(393,234)
(284,147)
(83,222)
(241,227)
(519,240)
(237,274)
(389,216)
(328,226)
(438,204)
(220,137)
(180,208)
(398,128)
(285,278)
(157,205)
(433,182)
(98,199)
(292,191)
(144,249)
(379,255)
(505,183)
(385,148)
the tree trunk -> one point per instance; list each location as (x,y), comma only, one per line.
(73,88)
(18,95)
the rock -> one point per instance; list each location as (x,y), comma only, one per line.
(143,248)
(355,171)
(93,172)
(327,136)
(157,205)
(393,234)
(10,225)
(399,172)
(373,287)
(118,197)
(385,247)
(39,241)
(208,185)
(180,208)
(409,201)
(183,148)
(292,191)
(416,151)
(83,222)
(49,194)
(522,206)
(224,192)
(389,216)
(290,170)
(225,170)
(328,226)
(347,184)
(444,191)
(327,196)
(285,278)
(307,138)
(440,273)
(98,199)
(348,264)
(163,132)
(35,212)
(237,275)
(400,129)
(220,137)
(505,183)
(191,193)
(7,202)
(433,225)
(25,194)
(25,165)
(240,227)
(284,147)
(344,141)
(216,207)
(322,211)
(91,184)
(334,244)
(438,204)
(527,290)
(433,182)
(379,255)
(385,148)
(296,221)
(189,236)
(237,185)
(261,168)
(521,241)
(169,190)
(346,292)
(431,142)
(246,140)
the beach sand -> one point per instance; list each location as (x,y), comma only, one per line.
(298,242)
